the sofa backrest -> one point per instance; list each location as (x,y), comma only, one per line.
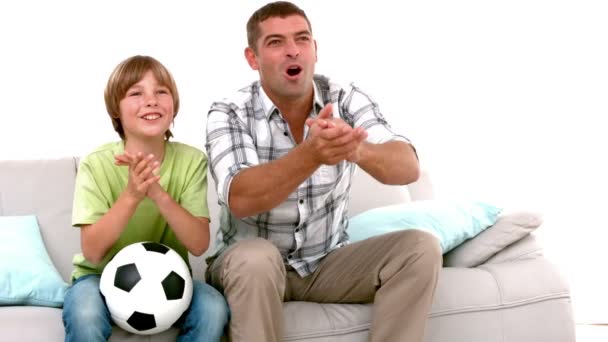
(45,188)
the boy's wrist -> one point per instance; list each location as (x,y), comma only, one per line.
(129,199)
(159,197)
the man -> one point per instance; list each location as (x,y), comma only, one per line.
(282,152)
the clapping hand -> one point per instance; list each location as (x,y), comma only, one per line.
(334,140)
(143,175)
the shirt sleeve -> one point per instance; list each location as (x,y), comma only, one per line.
(230,146)
(89,203)
(194,196)
(360,110)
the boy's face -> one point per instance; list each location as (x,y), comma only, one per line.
(285,58)
(146,111)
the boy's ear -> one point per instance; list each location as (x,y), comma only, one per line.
(251,58)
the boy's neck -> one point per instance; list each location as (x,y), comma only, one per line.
(157,148)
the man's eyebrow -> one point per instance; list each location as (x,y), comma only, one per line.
(303,32)
(273,35)
(281,36)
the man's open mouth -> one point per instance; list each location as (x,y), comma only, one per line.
(294,70)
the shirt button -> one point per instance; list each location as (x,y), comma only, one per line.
(289,256)
(297,230)
(285,133)
(301,201)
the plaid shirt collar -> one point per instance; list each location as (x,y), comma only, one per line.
(269,107)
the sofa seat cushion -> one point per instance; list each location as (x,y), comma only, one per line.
(497,286)
(317,322)
(523,286)
(31,323)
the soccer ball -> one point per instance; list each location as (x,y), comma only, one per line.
(147,287)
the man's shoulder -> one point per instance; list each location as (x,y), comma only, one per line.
(237,100)
(333,84)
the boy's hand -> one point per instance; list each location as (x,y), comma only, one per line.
(143,172)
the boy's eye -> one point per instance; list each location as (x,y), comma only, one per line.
(134,93)
(163,91)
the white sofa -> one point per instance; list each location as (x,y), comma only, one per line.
(510,294)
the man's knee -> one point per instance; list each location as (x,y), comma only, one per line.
(253,258)
(427,253)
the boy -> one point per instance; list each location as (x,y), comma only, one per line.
(142,188)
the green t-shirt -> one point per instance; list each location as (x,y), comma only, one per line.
(99,183)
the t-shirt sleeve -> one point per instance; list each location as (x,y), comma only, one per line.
(89,203)
(194,196)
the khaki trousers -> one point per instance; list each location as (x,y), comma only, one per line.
(397,272)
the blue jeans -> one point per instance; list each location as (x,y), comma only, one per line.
(86,316)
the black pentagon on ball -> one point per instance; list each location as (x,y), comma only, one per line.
(127,276)
(142,321)
(174,285)
(155,247)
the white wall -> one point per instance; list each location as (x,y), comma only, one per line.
(504,99)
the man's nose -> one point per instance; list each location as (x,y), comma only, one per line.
(292,49)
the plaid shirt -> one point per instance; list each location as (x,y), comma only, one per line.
(249,130)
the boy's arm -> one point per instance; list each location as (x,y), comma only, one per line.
(191,231)
(96,239)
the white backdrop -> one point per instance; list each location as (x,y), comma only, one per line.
(505,100)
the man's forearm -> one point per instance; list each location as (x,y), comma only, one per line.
(393,162)
(263,187)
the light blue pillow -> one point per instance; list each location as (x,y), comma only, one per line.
(27,275)
(451,222)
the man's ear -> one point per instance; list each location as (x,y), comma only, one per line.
(251,58)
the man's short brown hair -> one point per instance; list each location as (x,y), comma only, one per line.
(281,9)
(125,75)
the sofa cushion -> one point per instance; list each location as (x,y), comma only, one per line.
(508,229)
(27,275)
(451,222)
(31,324)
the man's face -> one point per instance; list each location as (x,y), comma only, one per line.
(285,58)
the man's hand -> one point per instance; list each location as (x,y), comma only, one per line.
(143,175)
(332,139)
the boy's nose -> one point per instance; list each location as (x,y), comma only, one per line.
(151,101)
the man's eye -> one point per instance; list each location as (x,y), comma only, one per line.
(274,42)
(304,38)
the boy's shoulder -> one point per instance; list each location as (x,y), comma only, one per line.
(104,152)
(185,150)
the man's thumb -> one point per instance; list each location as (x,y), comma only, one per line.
(326,112)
